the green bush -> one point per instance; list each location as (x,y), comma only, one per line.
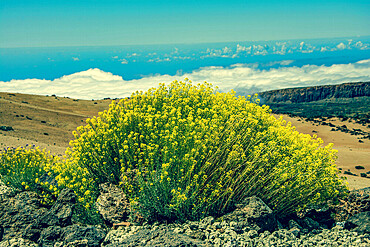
(182,152)
(29,169)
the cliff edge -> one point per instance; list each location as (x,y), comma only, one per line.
(308,94)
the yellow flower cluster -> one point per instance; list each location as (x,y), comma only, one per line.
(183,151)
(30,169)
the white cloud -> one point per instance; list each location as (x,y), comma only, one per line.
(341,46)
(244,79)
(160,60)
(181,58)
(284,63)
(240,48)
(75,59)
(227,50)
(123,61)
(280,48)
(133,55)
(262,53)
(362,46)
(260,50)
(258,47)
(359,44)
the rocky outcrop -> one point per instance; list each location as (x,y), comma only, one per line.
(25,221)
(73,235)
(18,212)
(254,214)
(59,215)
(359,222)
(308,94)
(18,242)
(112,204)
(357,201)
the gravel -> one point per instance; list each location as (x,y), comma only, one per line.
(226,234)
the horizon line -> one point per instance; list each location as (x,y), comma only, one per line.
(196,43)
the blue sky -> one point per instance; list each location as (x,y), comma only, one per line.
(42,23)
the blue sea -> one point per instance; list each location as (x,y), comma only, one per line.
(133,63)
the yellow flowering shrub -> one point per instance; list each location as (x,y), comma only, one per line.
(28,169)
(183,151)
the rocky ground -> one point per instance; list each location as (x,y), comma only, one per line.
(24,221)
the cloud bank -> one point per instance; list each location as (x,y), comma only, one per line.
(282,48)
(244,79)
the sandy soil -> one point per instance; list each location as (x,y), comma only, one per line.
(48,122)
(351,152)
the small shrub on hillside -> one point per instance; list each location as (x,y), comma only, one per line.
(184,151)
(29,169)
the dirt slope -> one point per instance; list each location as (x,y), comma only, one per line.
(44,120)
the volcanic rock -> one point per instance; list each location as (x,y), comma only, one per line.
(60,214)
(359,222)
(113,204)
(19,211)
(253,212)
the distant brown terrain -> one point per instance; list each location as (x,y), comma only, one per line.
(48,122)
